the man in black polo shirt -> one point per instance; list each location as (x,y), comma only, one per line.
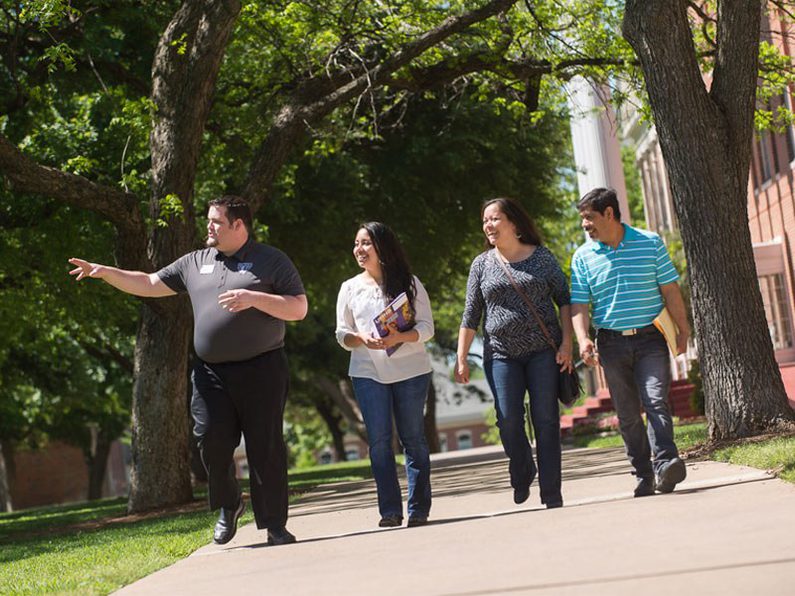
(241,293)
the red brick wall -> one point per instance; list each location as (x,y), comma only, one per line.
(771,207)
(788,376)
(56,474)
(476,430)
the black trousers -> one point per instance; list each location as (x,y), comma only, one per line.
(248,397)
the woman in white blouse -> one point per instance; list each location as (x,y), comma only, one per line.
(385,385)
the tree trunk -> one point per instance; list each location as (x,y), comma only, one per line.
(6,502)
(97,464)
(184,72)
(706,138)
(333,420)
(160,474)
(431,431)
(341,394)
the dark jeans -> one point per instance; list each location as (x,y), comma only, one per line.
(509,379)
(405,400)
(637,370)
(248,397)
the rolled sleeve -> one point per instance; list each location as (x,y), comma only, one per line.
(345,322)
(423,317)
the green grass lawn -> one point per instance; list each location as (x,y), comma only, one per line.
(776,454)
(72,549)
(687,436)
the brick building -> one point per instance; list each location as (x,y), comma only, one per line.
(59,474)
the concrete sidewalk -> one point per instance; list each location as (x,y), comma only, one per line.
(725,530)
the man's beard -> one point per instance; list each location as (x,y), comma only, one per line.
(211,242)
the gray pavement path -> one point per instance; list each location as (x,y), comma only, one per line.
(725,530)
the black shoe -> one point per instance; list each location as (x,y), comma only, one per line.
(520,495)
(391,521)
(226,526)
(417,520)
(645,486)
(554,504)
(277,536)
(672,474)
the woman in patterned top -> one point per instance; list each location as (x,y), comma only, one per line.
(516,354)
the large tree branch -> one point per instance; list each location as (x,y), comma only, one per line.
(184,73)
(118,207)
(108,353)
(736,66)
(660,34)
(289,124)
(444,73)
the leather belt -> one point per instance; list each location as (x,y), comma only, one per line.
(625,332)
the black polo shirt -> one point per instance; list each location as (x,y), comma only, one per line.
(222,336)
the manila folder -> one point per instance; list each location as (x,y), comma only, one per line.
(665,324)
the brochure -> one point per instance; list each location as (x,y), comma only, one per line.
(396,317)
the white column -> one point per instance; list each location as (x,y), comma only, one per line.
(597,152)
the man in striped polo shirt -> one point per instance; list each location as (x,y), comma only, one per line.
(627,275)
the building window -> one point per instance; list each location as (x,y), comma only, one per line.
(352,453)
(763,145)
(464,439)
(443,442)
(754,167)
(789,132)
(776,312)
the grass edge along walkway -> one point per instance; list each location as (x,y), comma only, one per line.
(71,550)
(95,548)
(775,454)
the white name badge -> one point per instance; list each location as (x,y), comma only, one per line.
(206,269)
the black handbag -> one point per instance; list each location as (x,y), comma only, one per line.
(569,389)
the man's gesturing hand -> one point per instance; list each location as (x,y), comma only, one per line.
(237,300)
(85,269)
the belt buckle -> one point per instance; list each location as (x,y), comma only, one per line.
(629,332)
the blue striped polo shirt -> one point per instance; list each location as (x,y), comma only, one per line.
(623,284)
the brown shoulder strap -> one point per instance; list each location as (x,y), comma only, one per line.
(527,300)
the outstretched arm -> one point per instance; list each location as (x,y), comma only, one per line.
(136,283)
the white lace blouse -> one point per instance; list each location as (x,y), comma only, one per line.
(358,303)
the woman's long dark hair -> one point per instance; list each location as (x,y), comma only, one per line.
(516,214)
(394,264)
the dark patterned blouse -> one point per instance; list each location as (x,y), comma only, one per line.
(509,328)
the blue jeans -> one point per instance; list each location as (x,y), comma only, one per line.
(638,373)
(509,379)
(406,401)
